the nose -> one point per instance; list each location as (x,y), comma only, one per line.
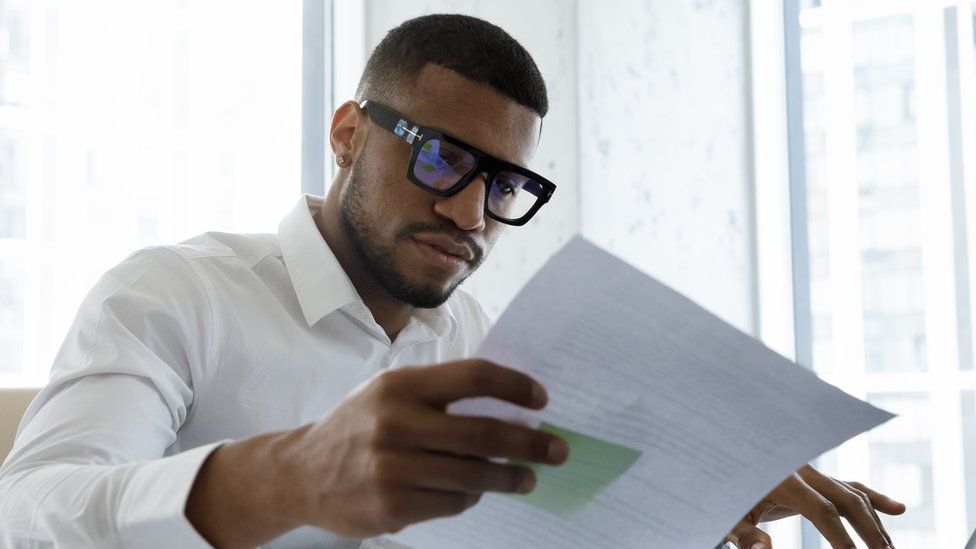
(467,208)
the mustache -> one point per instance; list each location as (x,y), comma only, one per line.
(446,230)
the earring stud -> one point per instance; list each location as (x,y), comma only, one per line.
(341,160)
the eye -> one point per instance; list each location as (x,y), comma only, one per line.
(505,188)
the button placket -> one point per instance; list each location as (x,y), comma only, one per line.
(425,335)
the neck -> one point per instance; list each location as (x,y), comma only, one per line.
(392,315)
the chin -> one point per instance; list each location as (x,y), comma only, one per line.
(437,286)
(430,293)
(416,281)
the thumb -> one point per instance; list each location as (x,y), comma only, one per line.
(748,536)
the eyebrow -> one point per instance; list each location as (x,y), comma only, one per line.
(479,149)
(453,136)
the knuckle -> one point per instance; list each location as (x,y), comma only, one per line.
(486,438)
(827,510)
(387,383)
(460,502)
(480,376)
(853,503)
(753,536)
(737,534)
(393,506)
(386,428)
(383,467)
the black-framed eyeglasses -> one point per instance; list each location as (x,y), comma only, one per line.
(444,165)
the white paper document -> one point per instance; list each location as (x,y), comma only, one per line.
(713,418)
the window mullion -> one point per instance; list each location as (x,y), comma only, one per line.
(941,337)
(967,107)
(845,367)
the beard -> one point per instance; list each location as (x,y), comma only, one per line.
(378,258)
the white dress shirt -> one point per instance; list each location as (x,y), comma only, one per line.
(181,347)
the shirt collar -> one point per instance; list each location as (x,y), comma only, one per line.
(321,285)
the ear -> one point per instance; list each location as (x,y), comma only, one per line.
(347,133)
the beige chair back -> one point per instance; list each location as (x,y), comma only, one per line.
(13,403)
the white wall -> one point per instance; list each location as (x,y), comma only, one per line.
(648,139)
(666,159)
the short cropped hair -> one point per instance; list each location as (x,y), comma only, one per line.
(471,47)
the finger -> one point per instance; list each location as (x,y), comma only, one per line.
(767,511)
(748,536)
(442,384)
(824,515)
(451,473)
(487,437)
(401,507)
(850,505)
(774,513)
(867,502)
(880,501)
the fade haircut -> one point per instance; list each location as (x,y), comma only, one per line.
(471,47)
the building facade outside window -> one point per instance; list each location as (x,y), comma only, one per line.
(889,126)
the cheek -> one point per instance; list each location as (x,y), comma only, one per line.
(387,194)
(400,203)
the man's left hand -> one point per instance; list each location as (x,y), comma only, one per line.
(823,501)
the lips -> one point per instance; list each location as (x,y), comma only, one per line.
(446,246)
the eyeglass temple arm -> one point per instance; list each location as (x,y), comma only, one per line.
(392,121)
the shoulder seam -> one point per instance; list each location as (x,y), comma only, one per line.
(207,290)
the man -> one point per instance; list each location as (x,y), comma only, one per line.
(248,389)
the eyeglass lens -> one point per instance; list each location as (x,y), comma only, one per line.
(441,164)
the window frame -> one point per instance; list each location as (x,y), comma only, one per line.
(944,381)
(317,93)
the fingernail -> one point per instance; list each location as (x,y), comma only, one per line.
(527,483)
(557,451)
(539,397)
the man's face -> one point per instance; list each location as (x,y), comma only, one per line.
(392,223)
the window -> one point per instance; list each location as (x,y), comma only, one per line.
(889,122)
(131,123)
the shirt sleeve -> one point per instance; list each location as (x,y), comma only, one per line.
(87,468)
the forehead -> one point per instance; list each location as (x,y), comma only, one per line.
(473,112)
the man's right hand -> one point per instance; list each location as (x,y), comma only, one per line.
(388,456)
